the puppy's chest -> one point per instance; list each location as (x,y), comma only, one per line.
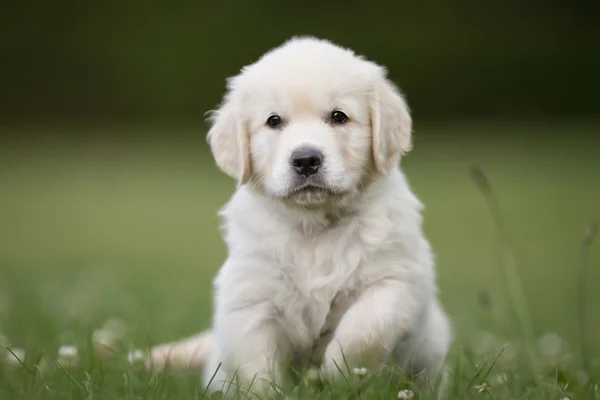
(314,305)
(322,278)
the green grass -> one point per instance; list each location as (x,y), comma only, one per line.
(95,229)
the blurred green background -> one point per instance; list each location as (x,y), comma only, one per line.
(108,194)
(136,59)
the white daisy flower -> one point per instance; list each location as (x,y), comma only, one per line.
(406,394)
(103,337)
(482,388)
(68,355)
(104,342)
(360,371)
(67,352)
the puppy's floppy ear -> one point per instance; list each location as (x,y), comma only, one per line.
(229,141)
(391,125)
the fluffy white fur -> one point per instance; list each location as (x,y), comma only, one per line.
(335,272)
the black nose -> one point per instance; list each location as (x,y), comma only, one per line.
(306,161)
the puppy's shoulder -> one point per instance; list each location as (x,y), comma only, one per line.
(249,219)
(393,199)
(391,232)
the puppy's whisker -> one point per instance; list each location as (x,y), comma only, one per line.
(256,182)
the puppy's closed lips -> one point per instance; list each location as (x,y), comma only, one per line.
(315,185)
(309,187)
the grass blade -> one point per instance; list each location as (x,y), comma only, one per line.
(582,294)
(510,269)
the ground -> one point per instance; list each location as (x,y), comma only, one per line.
(125,229)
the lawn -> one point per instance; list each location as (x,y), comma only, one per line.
(124,228)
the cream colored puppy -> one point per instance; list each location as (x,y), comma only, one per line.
(327,260)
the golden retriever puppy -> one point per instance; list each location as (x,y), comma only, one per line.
(327,261)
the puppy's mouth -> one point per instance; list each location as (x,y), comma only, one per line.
(309,188)
(311,194)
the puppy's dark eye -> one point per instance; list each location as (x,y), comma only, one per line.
(274,121)
(338,117)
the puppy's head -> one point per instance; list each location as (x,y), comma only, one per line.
(310,122)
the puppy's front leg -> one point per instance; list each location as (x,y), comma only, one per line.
(250,347)
(384,313)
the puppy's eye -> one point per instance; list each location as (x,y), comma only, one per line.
(338,117)
(274,121)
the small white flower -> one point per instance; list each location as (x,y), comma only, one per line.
(406,394)
(312,374)
(67,352)
(68,355)
(104,337)
(104,342)
(360,371)
(482,388)
(13,356)
(136,356)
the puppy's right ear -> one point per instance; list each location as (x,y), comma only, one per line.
(229,141)
(391,124)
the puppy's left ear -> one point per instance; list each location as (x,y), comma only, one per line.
(391,125)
